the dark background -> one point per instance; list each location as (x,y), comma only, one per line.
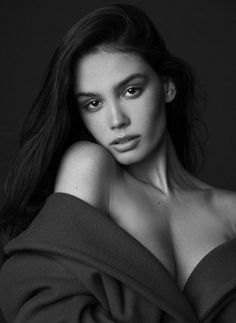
(202,32)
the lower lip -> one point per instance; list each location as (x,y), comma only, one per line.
(128,145)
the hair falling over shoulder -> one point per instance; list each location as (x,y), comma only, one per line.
(54,122)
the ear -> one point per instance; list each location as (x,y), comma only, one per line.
(170,90)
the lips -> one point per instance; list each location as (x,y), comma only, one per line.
(123,139)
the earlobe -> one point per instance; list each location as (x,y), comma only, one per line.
(170,91)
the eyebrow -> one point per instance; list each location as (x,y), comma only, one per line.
(120,84)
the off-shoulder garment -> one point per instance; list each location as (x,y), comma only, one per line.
(75,264)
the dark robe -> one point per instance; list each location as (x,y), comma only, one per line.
(75,264)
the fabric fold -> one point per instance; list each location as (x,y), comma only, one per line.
(69,228)
(122,275)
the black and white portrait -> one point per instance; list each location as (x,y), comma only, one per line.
(117,170)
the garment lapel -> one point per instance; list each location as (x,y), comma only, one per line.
(70,227)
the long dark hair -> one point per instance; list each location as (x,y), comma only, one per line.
(54,123)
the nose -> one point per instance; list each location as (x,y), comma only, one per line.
(118,118)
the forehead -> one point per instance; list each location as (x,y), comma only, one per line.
(103,69)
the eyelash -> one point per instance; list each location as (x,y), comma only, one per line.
(136,88)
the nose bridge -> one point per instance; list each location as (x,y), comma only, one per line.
(117,115)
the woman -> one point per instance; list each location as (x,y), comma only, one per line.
(109,222)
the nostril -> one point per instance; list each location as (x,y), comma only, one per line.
(120,121)
(118,124)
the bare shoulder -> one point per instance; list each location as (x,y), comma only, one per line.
(224,198)
(86,148)
(86,171)
(225,203)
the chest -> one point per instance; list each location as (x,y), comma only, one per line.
(178,233)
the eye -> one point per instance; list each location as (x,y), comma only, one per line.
(133,91)
(93,105)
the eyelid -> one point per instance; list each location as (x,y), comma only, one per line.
(85,105)
(139,89)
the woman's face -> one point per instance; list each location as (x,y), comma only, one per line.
(120,94)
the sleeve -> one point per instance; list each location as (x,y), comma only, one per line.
(36,288)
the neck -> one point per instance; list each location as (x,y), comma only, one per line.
(163,170)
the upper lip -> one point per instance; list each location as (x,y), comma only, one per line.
(120,140)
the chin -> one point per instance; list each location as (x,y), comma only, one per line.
(128,158)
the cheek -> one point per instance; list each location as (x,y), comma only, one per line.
(151,111)
(94,125)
